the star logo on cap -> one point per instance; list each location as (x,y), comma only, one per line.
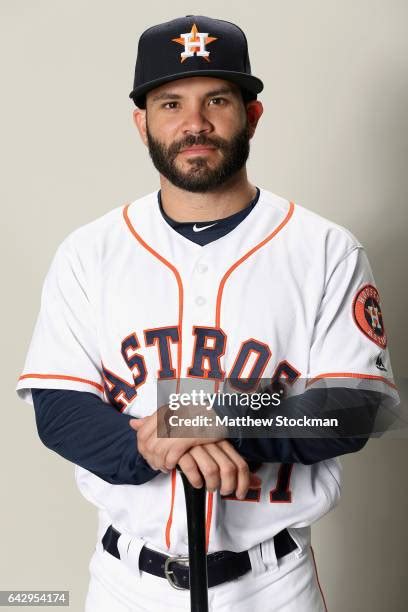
(194,43)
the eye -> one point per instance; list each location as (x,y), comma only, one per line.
(218,101)
(170,105)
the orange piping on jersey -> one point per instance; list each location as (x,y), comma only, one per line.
(170,519)
(210,500)
(179,346)
(179,284)
(350,375)
(62,377)
(244,257)
(317,578)
(217,324)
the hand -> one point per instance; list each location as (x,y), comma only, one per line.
(221,466)
(163,453)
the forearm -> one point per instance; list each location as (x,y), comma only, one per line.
(92,434)
(356,411)
(295,450)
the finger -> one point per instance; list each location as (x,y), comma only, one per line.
(175,449)
(207,466)
(137,426)
(227,468)
(190,469)
(242,469)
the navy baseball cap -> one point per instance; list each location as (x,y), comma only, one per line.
(192,46)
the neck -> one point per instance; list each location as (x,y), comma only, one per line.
(183,206)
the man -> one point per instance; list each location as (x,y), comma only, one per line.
(208,279)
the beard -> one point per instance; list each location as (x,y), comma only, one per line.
(200,177)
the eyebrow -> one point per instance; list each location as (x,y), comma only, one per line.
(169,95)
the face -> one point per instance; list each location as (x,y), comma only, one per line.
(198,131)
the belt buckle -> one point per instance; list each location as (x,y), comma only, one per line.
(170,574)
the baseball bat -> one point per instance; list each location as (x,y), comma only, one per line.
(195,507)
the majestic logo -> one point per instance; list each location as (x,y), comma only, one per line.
(204,227)
(194,43)
(380,364)
(368,316)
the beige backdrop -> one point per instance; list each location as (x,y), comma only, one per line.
(333,138)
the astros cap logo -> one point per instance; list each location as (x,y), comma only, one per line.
(194,44)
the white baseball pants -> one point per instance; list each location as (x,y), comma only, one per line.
(291,585)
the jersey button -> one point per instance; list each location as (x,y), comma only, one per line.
(202,268)
(200,301)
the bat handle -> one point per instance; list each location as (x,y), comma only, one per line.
(195,507)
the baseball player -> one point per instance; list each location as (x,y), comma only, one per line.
(207,278)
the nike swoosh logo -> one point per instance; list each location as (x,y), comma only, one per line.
(200,229)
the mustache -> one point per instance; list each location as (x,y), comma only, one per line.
(192,140)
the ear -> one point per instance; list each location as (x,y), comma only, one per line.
(254,110)
(139,119)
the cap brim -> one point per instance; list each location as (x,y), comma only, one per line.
(244,80)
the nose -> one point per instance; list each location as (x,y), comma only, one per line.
(196,121)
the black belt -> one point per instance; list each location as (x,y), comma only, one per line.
(221,566)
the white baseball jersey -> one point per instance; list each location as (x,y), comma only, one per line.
(129,301)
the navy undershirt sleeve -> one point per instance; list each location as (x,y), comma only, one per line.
(356,411)
(296,450)
(82,428)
